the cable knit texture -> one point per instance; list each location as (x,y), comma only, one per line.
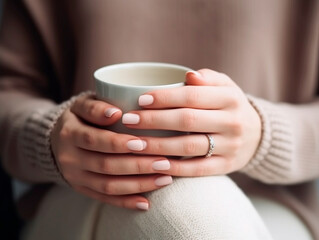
(272,161)
(35,139)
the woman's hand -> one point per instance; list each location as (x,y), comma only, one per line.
(95,161)
(211,104)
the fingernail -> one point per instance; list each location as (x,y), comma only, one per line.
(130,118)
(109,112)
(142,205)
(162,181)
(145,100)
(161,165)
(136,145)
(194,72)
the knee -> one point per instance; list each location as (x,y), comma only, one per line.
(194,208)
(205,208)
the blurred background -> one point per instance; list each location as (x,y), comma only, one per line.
(9,221)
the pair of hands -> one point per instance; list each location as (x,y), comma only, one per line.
(99,163)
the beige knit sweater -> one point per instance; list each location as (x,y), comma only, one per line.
(49,50)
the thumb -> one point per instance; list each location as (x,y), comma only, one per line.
(207,77)
(95,111)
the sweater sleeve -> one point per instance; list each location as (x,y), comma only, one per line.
(29,99)
(34,139)
(288,152)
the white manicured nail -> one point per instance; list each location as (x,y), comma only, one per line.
(130,118)
(136,145)
(161,165)
(109,112)
(142,205)
(145,100)
(162,181)
(194,72)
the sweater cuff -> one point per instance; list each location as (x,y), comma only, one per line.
(35,139)
(272,160)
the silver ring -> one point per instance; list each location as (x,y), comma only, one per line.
(211,145)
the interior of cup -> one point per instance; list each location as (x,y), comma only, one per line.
(142,74)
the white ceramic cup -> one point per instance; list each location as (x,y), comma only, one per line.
(122,84)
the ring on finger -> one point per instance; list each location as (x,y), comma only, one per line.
(211,145)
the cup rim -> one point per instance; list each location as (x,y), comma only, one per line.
(132,64)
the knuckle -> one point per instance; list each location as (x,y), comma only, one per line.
(148,118)
(93,110)
(235,100)
(235,125)
(65,133)
(199,170)
(188,120)
(141,187)
(178,170)
(189,148)
(164,98)
(138,167)
(106,167)
(88,139)
(155,146)
(192,96)
(63,158)
(237,128)
(236,144)
(108,188)
(115,143)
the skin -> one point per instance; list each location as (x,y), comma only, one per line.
(98,163)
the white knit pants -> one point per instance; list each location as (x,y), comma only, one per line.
(191,208)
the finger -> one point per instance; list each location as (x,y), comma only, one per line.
(123,185)
(120,164)
(183,119)
(96,111)
(200,97)
(99,140)
(130,202)
(197,167)
(187,145)
(207,77)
